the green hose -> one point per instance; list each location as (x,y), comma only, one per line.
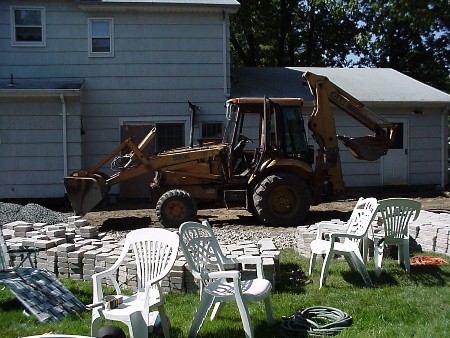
(316,321)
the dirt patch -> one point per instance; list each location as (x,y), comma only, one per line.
(128,215)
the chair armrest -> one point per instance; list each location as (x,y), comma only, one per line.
(248,259)
(320,227)
(335,235)
(236,275)
(257,260)
(97,283)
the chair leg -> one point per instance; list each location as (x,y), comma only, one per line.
(200,315)
(359,263)
(269,310)
(245,317)
(406,258)
(399,254)
(325,267)
(164,320)
(378,257)
(216,310)
(95,323)
(350,263)
(312,262)
(137,326)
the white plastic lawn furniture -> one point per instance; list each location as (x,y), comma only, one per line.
(396,214)
(207,263)
(347,243)
(155,251)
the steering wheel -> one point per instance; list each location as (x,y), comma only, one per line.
(244,138)
(242,141)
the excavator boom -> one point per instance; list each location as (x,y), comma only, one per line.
(370,147)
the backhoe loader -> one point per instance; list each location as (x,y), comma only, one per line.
(277,181)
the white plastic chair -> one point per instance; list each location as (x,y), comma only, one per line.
(207,264)
(396,214)
(155,251)
(349,244)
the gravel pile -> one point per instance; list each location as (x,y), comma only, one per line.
(282,239)
(33,213)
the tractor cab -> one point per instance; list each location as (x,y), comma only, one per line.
(262,129)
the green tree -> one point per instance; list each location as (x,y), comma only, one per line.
(292,32)
(411,36)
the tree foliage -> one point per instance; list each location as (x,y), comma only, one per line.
(411,36)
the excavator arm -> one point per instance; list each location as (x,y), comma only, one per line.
(87,187)
(323,127)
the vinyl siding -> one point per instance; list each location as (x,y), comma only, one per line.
(32,142)
(161,60)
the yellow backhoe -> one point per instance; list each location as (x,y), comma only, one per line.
(277,180)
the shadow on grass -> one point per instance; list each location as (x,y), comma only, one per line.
(393,275)
(292,279)
(429,275)
(10,304)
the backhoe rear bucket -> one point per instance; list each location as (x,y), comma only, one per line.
(85,192)
(369,148)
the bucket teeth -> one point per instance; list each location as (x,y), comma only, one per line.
(368,148)
(85,192)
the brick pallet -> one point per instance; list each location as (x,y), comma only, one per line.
(76,250)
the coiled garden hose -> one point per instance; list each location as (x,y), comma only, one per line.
(316,321)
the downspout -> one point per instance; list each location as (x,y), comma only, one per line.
(64,131)
(444,156)
(225,54)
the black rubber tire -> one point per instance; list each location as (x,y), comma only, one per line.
(175,207)
(281,199)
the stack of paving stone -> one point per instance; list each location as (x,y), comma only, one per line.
(306,234)
(76,250)
(429,233)
(264,248)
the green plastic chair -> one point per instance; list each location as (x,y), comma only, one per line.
(218,283)
(395,214)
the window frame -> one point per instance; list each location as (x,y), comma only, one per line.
(92,53)
(209,126)
(14,42)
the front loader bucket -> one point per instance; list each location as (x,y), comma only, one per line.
(85,192)
(369,148)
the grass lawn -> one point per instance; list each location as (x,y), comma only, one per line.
(400,305)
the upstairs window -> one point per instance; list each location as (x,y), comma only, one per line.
(28,26)
(101,40)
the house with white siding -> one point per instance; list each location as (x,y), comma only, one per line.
(78,77)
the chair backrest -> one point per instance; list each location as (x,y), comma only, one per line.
(396,214)
(201,248)
(362,216)
(155,251)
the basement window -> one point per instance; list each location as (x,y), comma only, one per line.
(212,130)
(28,26)
(101,39)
